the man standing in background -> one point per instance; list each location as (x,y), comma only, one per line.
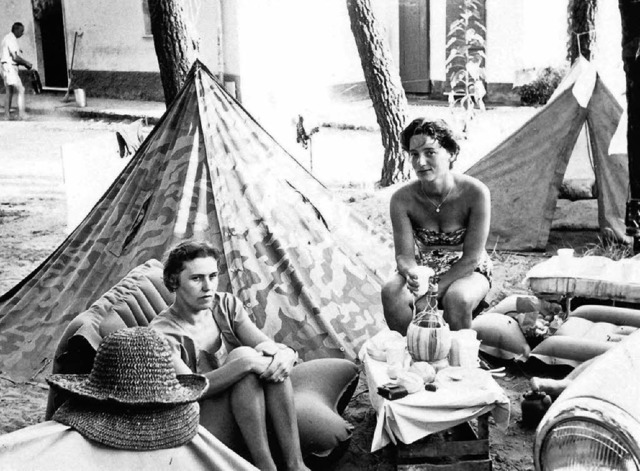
(10,59)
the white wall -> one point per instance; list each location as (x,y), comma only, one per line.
(524,34)
(532,34)
(438,38)
(113,35)
(607,54)
(297,43)
(289,53)
(504,39)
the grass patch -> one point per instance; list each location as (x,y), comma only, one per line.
(610,248)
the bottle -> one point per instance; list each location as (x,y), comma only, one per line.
(427,313)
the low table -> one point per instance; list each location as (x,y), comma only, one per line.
(419,415)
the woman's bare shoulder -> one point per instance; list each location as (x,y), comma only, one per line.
(471,184)
(405,192)
(403,199)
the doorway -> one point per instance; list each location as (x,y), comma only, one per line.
(414,46)
(50,39)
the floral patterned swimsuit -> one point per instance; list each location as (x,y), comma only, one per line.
(441,260)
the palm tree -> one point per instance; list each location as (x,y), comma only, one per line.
(581,15)
(385,88)
(630,17)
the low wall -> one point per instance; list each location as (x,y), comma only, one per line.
(145,86)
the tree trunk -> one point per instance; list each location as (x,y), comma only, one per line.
(174,44)
(630,16)
(581,15)
(385,88)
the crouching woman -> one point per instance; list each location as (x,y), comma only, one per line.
(446,216)
(211,334)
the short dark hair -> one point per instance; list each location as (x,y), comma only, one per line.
(181,253)
(15,26)
(437,129)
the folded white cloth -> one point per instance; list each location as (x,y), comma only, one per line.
(53,446)
(417,415)
(591,276)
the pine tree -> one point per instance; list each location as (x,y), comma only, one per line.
(385,87)
(174,43)
(582,17)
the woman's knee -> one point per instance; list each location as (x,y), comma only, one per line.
(396,304)
(391,288)
(465,294)
(250,380)
(242,352)
(456,301)
(394,292)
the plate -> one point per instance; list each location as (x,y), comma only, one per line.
(463,377)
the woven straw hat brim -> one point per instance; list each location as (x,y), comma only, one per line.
(131,428)
(189,388)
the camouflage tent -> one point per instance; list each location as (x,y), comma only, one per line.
(524,173)
(307,269)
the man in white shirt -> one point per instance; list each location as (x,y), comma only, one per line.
(10,59)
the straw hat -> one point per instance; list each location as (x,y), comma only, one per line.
(132,399)
(133,366)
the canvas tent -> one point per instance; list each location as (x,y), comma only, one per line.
(307,269)
(524,173)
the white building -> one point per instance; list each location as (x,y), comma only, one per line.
(297,51)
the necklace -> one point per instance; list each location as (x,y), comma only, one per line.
(437,206)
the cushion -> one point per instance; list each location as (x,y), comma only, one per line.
(616,315)
(501,336)
(322,390)
(133,301)
(588,332)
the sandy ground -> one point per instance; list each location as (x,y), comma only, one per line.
(32,224)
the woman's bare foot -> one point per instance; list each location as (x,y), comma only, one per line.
(552,387)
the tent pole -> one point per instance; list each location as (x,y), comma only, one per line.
(630,18)
(632,221)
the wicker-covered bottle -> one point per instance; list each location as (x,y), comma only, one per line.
(428,335)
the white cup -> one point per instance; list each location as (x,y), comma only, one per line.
(424,275)
(468,353)
(466,334)
(396,359)
(459,340)
(454,351)
(565,254)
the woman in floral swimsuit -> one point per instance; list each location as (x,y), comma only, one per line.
(441,220)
